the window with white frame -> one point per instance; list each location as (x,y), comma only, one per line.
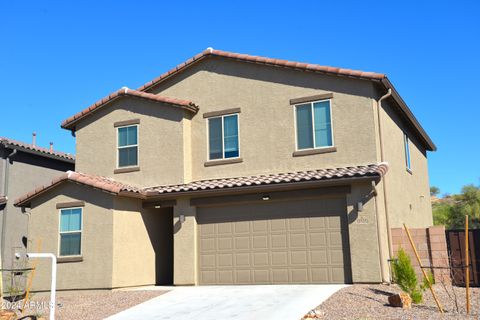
(127,146)
(406,143)
(223,140)
(314,125)
(70,231)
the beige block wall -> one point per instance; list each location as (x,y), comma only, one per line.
(408,194)
(95,271)
(161,155)
(133,253)
(431,245)
(266,121)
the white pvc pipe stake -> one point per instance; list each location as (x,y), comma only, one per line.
(54,278)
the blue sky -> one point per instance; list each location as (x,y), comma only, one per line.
(58,57)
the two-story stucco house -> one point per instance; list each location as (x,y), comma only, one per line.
(236,169)
(23,166)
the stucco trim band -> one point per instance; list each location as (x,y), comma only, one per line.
(220,162)
(125,170)
(126,123)
(71,204)
(313,151)
(311,98)
(221,112)
(69,259)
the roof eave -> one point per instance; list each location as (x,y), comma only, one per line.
(39,153)
(263,187)
(409,114)
(70,125)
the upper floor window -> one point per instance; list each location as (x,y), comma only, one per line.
(314,125)
(406,143)
(127,146)
(70,231)
(223,137)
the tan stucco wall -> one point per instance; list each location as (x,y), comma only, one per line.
(184,244)
(133,253)
(266,121)
(160,142)
(363,235)
(408,194)
(95,271)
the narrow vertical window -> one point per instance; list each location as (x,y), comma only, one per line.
(70,231)
(127,146)
(223,139)
(407,152)
(314,125)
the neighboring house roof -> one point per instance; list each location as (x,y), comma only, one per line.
(185,104)
(374,170)
(371,76)
(30,148)
(98,182)
(3,200)
(117,188)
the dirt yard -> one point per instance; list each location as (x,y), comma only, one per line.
(371,302)
(90,305)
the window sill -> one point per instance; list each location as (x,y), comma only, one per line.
(69,259)
(308,152)
(125,170)
(220,162)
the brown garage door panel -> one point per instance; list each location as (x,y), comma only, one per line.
(284,242)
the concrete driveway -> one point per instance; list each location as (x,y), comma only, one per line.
(232,302)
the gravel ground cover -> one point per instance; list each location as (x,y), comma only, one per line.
(371,302)
(90,305)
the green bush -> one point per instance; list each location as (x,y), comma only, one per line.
(404,275)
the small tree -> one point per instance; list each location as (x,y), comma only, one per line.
(434,191)
(405,276)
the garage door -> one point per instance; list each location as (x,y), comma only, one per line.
(280,242)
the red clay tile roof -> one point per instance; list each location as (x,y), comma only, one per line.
(374,170)
(187,105)
(3,200)
(98,182)
(111,186)
(9,143)
(266,61)
(372,76)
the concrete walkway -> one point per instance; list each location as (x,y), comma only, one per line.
(232,302)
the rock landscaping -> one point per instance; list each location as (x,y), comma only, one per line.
(372,302)
(89,305)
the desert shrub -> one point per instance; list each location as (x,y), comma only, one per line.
(425,284)
(404,275)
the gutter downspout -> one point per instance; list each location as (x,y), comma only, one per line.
(4,213)
(382,159)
